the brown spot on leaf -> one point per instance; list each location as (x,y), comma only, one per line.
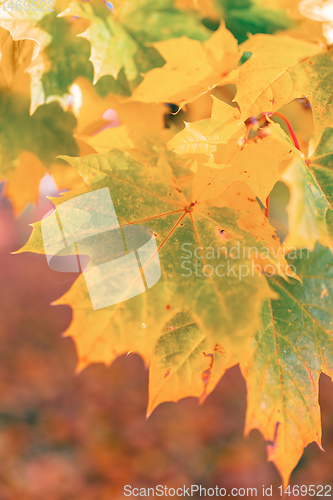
(219,348)
(206,376)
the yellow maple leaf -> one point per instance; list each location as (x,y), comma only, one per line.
(179,369)
(23,183)
(203,136)
(257,161)
(191,68)
(16,56)
(298,69)
(226,155)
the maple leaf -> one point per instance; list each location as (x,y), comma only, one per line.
(185,363)
(249,161)
(23,24)
(311,205)
(61,62)
(203,136)
(45,134)
(292,348)
(299,69)
(121,39)
(227,156)
(27,24)
(180,327)
(191,68)
(50,132)
(143,142)
(320,165)
(144,194)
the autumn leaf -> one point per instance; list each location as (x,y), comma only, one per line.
(26,24)
(213,303)
(185,363)
(122,40)
(320,165)
(299,69)
(104,38)
(310,209)
(248,162)
(203,136)
(23,24)
(50,131)
(191,68)
(64,59)
(143,142)
(292,348)
(45,134)
(227,155)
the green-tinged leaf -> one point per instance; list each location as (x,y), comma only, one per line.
(151,196)
(153,20)
(245,16)
(311,205)
(184,363)
(299,69)
(24,21)
(66,55)
(28,143)
(120,40)
(292,348)
(321,165)
(58,58)
(47,133)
